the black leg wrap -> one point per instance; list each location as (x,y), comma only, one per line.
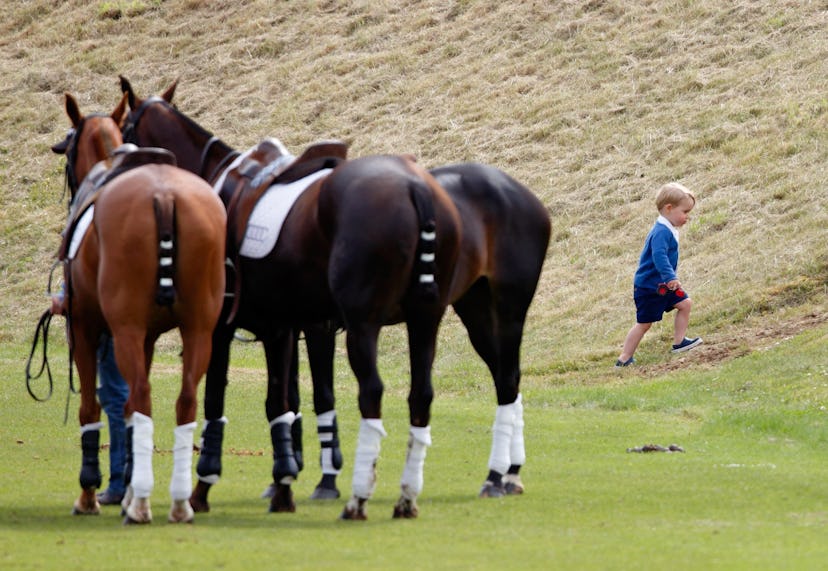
(209,460)
(129,459)
(333,443)
(495,478)
(90,473)
(284,462)
(296,436)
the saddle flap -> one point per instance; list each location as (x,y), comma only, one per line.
(318,156)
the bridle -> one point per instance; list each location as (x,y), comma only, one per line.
(72,138)
(130,132)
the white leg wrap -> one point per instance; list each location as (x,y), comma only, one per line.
(517,450)
(181,484)
(502,432)
(142,480)
(326,420)
(419,439)
(92,426)
(371,433)
(287,418)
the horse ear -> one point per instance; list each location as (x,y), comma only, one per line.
(60,148)
(73,110)
(119,114)
(126,87)
(168,94)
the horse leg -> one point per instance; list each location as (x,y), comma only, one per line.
(89,416)
(422,336)
(278,355)
(496,330)
(321,344)
(196,357)
(131,356)
(208,468)
(361,340)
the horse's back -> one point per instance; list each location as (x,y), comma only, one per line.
(506,228)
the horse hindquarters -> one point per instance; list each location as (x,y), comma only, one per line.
(380,209)
(512,231)
(199,293)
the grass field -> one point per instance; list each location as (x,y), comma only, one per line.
(593,104)
(748,492)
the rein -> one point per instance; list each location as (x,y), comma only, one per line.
(41,335)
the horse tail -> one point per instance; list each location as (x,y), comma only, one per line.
(164,206)
(425,267)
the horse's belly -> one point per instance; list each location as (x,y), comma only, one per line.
(279,298)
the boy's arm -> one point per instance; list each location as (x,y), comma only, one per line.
(661,257)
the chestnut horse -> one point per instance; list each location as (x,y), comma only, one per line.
(503,232)
(151,259)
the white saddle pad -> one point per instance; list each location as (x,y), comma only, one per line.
(269,214)
(80,231)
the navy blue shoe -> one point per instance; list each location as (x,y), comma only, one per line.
(686,345)
(619,363)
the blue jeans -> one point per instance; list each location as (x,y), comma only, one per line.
(113,392)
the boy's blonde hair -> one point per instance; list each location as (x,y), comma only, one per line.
(672,193)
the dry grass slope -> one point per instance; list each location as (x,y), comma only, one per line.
(592,103)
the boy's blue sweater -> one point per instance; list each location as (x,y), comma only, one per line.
(659,258)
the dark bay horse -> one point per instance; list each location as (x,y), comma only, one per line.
(150,259)
(502,231)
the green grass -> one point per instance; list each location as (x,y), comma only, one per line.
(747,493)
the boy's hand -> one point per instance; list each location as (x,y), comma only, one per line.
(672,285)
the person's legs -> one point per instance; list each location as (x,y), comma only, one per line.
(113,392)
(682,320)
(634,337)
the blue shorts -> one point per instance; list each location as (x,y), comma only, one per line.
(651,307)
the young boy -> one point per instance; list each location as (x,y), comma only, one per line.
(656,286)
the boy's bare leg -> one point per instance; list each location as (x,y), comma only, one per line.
(682,320)
(634,337)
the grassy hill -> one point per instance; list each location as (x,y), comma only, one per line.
(593,104)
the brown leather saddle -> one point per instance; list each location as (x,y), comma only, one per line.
(268,164)
(124,158)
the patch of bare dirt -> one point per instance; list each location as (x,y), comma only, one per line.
(721,347)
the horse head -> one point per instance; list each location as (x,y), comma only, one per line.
(155,122)
(91,139)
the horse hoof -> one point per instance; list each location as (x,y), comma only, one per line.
(78,509)
(354,510)
(492,490)
(406,509)
(199,506)
(321,493)
(513,489)
(512,485)
(181,512)
(138,512)
(353,515)
(198,499)
(282,500)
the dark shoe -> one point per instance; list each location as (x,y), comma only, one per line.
(107,498)
(619,363)
(686,345)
